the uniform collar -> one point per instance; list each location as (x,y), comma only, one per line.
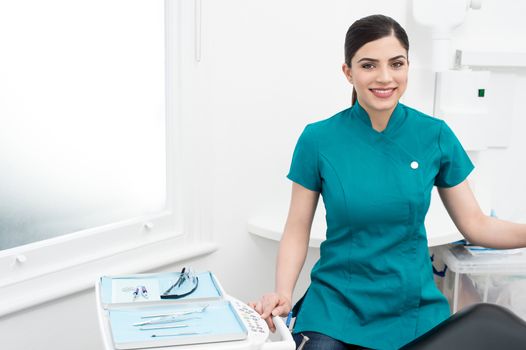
(395,120)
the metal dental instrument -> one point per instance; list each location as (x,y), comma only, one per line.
(176,334)
(168,319)
(180,313)
(163,327)
(144,292)
(135,293)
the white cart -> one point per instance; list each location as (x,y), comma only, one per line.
(258,331)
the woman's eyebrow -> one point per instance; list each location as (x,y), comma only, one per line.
(368,59)
(397,57)
(375,60)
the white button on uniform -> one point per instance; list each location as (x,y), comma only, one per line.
(414,165)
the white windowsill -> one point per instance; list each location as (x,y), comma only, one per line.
(76,278)
(271,227)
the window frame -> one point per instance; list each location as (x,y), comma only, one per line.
(45,270)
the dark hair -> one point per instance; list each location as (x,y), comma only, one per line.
(368,29)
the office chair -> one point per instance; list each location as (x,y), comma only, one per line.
(479,327)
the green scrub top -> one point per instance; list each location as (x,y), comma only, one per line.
(373,284)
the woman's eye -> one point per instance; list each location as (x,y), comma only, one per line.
(367,66)
(398,64)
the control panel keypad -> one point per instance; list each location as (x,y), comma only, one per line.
(252,319)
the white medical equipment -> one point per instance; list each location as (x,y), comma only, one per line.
(256,336)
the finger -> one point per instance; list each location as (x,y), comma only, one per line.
(259,308)
(267,310)
(265,314)
(270,324)
(268,305)
(278,311)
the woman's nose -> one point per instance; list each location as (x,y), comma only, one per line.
(383,75)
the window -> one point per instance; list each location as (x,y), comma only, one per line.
(87,143)
(82,107)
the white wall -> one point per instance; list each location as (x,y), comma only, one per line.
(500,26)
(267,69)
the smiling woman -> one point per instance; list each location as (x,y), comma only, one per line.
(375,165)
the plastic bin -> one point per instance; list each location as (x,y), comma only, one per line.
(498,277)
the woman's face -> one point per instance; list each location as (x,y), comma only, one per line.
(379,74)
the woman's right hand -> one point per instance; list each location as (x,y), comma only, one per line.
(272,304)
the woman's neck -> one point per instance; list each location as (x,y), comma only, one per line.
(379,118)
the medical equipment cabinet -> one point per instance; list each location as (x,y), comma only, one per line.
(477,274)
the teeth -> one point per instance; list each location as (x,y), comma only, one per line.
(383,92)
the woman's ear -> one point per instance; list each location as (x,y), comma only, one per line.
(347,72)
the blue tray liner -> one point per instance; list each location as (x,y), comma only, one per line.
(217,321)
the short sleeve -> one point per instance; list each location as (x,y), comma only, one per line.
(455,165)
(304,168)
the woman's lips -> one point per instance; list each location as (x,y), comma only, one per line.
(383,93)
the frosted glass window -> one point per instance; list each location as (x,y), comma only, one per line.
(82,122)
